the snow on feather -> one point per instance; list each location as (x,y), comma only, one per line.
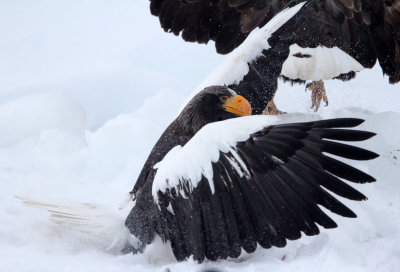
(188,164)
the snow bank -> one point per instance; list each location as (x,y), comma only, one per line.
(32,115)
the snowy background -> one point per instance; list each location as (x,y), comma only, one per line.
(87,87)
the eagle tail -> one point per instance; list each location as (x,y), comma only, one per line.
(99,226)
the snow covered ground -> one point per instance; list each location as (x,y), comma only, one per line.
(87,87)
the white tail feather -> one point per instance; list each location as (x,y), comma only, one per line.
(100,225)
(321,63)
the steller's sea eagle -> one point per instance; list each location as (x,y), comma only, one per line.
(328,39)
(215,185)
(219,182)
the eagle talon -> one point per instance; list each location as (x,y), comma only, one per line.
(318,93)
(271,109)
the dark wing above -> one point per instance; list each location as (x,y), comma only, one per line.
(367,30)
(264,191)
(227,22)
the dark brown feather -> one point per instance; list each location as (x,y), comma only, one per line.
(367,30)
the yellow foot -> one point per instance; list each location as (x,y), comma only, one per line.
(271,109)
(318,93)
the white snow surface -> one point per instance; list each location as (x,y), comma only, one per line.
(85,92)
(323,63)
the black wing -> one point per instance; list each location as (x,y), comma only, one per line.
(227,22)
(367,30)
(266,191)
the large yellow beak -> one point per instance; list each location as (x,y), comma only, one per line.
(237,105)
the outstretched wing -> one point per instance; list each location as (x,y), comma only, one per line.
(367,30)
(245,188)
(249,69)
(227,22)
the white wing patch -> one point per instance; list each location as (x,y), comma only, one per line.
(320,63)
(235,66)
(184,167)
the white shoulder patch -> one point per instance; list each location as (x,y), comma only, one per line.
(235,66)
(185,166)
(318,63)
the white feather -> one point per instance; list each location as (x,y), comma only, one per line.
(324,63)
(235,66)
(188,164)
(101,226)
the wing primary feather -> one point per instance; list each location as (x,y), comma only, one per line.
(232,229)
(344,134)
(222,249)
(216,241)
(275,223)
(303,210)
(336,123)
(195,238)
(227,207)
(304,188)
(336,167)
(280,221)
(320,196)
(246,231)
(297,217)
(325,179)
(345,151)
